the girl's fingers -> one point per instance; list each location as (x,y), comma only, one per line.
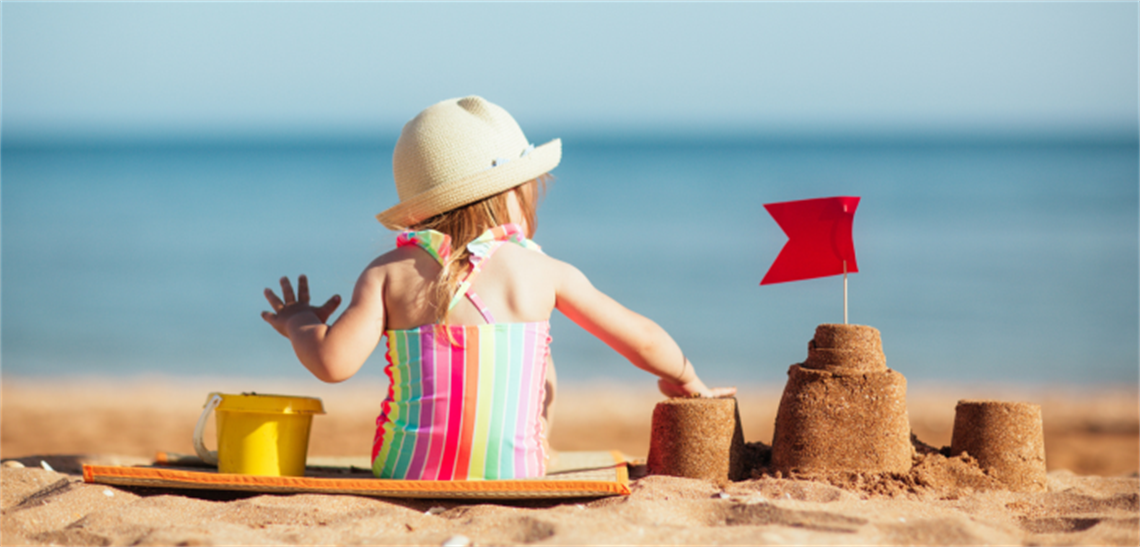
(670,389)
(274,302)
(287,291)
(270,318)
(723,391)
(327,308)
(302,289)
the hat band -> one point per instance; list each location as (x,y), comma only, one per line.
(500,161)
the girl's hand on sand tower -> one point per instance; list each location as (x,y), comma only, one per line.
(693,388)
(294,305)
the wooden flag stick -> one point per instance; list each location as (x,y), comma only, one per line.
(844,292)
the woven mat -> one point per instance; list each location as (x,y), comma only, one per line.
(571,475)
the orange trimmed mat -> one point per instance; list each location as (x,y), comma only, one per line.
(574,475)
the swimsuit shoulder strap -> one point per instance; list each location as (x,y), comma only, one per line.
(437,244)
(481,249)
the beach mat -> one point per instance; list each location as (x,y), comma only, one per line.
(572,475)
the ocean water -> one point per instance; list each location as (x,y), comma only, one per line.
(979,262)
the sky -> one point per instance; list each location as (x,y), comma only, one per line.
(330,70)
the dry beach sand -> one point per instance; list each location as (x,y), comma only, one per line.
(1092,445)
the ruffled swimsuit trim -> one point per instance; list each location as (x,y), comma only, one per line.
(438,245)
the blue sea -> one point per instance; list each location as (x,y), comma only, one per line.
(978,261)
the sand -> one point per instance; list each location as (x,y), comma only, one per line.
(1092,497)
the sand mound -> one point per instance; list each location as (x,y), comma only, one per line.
(932,475)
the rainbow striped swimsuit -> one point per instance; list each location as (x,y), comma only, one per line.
(465,406)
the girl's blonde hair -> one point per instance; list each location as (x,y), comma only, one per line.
(464,224)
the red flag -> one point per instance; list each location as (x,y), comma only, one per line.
(819,238)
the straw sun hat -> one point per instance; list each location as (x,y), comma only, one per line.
(457,152)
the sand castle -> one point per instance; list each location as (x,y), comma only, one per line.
(843,410)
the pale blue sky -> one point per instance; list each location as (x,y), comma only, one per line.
(362,69)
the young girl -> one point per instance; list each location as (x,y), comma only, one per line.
(465,301)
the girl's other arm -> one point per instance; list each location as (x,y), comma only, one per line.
(332,353)
(637,338)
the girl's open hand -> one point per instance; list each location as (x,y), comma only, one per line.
(694,388)
(283,310)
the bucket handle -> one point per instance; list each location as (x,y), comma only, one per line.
(208,456)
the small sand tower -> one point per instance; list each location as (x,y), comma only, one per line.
(1006,438)
(697,438)
(843,409)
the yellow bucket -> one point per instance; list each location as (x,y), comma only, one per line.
(259,434)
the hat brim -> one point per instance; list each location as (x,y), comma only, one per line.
(482,185)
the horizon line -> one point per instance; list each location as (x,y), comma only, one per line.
(734,137)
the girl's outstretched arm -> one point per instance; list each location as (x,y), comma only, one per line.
(333,353)
(637,338)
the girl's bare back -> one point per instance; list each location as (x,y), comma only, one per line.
(517,284)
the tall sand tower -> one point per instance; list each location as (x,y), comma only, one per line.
(842,408)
